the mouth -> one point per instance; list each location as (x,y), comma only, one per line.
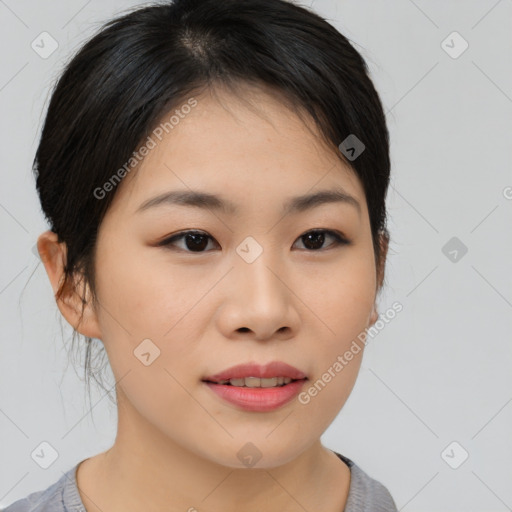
(256,382)
(255,387)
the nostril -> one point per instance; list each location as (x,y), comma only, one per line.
(244,329)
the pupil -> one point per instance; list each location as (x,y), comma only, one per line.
(315,237)
(197,243)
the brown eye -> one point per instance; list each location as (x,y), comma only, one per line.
(195,241)
(314,240)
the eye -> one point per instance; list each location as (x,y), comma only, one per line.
(314,239)
(197,241)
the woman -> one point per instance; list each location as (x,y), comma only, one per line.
(214,173)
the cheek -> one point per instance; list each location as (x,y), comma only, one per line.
(149,324)
(161,304)
(143,299)
(342,302)
(342,295)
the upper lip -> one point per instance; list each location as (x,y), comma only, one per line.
(269,370)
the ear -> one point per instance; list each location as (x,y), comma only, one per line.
(54,257)
(384,246)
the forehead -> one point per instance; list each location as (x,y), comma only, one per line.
(249,146)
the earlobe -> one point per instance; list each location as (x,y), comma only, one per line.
(54,257)
(374,316)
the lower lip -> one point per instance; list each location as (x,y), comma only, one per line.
(258,399)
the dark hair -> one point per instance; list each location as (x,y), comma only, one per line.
(141,65)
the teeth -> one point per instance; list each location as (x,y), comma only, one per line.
(237,382)
(256,382)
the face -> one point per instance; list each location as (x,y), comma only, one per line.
(252,284)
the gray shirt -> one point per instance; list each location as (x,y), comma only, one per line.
(365,495)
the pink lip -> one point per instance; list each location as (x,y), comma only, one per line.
(257,399)
(272,369)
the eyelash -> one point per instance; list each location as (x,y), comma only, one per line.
(340,240)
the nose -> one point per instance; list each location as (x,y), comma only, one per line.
(258,299)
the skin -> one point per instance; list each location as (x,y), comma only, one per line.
(177,442)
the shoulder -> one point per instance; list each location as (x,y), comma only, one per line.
(365,493)
(55,498)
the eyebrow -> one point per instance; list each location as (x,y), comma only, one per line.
(206,200)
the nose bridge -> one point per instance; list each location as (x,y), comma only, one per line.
(258,281)
(258,298)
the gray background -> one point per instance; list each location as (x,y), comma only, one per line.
(439,373)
